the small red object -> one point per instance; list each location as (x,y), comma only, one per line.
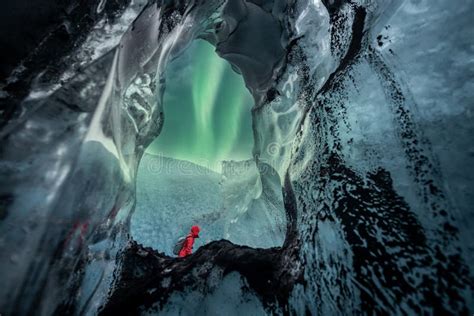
(189,242)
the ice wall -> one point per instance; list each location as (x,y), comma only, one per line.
(378,185)
(363,108)
(173,195)
(53,229)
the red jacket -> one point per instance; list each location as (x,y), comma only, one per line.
(189,242)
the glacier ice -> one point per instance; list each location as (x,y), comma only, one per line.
(229,297)
(173,195)
(363,112)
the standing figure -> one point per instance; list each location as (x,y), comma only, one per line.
(188,243)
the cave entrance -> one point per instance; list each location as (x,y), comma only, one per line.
(199,170)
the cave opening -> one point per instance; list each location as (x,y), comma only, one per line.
(200,169)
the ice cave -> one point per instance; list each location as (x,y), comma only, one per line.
(324,147)
(199,170)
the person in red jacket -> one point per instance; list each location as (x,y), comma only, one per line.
(189,242)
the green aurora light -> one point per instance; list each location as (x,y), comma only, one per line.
(207,110)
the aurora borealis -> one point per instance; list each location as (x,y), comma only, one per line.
(207,110)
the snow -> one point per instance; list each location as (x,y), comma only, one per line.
(173,195)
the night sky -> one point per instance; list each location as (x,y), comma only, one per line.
(207,110)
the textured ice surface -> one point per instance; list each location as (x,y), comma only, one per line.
(229,297)
(173,195)
(363,107)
